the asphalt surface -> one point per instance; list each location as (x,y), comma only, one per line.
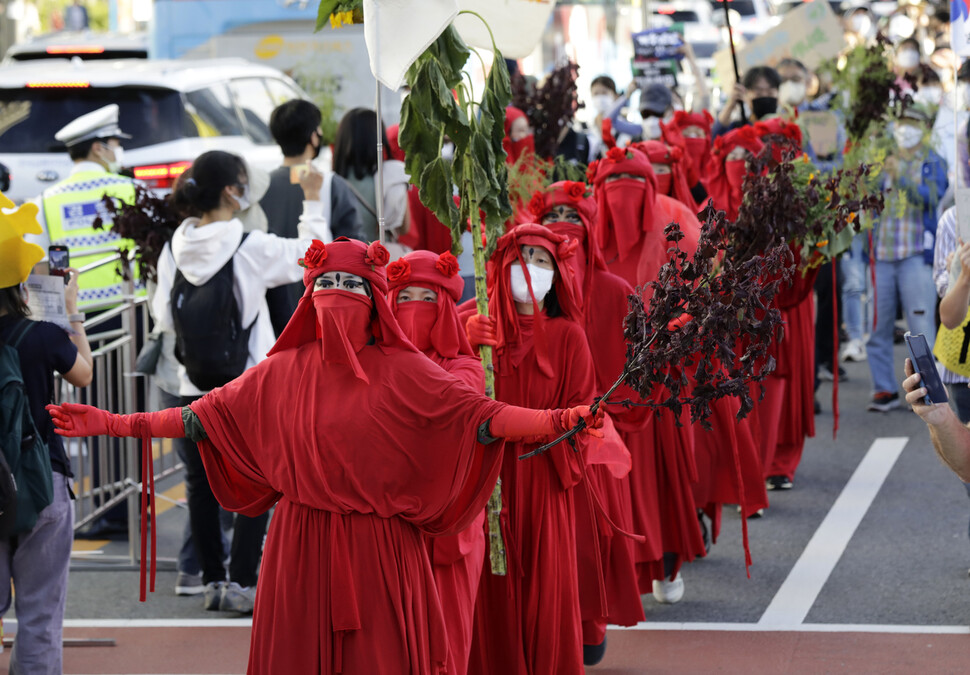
(906,565)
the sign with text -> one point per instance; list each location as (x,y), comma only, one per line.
(810,33)
(646,73)
(658,43)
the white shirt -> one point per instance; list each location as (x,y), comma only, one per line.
(263,261)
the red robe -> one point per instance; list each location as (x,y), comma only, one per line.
(528,622)
(361,472)
(457,560)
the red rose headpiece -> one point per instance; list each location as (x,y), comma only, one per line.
(354,257)
(438,273)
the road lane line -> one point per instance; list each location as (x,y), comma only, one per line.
(798,628)
(797,594)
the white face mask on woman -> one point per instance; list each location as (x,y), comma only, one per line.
(243,199)
(792,93)
(602,103)
(541,282)
(907,136)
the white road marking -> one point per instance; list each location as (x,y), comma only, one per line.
(797,594)
(799,628)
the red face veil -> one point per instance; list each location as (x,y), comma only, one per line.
(722,180)
(674,184)
(625,204)
(430,326)
(337,318)
(516,149)
(697,150)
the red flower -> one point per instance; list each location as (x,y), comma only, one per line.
(675,153)
(447,264)
(616,154)
(591,170)
(314,256)
(567,249)
(376,254)
(537,205)
(399,270)
(574,190)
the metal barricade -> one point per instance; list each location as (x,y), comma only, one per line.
(107,471)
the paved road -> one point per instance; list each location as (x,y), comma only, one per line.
(881,588)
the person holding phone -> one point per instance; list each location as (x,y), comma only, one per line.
(37,561)
(950,436)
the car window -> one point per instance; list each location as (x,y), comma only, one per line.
(211,112)
(29,118)
(281,91)
(255,107)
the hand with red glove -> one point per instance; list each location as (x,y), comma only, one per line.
(481,330)
(74,419)
(524,424)
(570,417)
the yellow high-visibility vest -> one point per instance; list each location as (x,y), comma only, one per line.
(70,208)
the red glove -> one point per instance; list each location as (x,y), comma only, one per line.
(74,419)
(481,330)
(516,424)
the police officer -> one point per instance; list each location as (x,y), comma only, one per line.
(67,210)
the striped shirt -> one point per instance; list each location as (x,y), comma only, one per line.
(946,243)
(898,237)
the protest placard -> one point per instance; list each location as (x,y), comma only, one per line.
(657,43)
(822,130)
(810,33)
(45,299)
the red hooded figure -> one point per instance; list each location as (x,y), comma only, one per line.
(522,146)
(691,132)
(569,209)
(434,328)
(366,447)
(726,170)
(632,216)
(672,181)
(528,622)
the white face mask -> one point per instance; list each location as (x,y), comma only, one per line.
(243,200)
(929,95)
(907,136)
(448,152)
(908,58)
(791,93)
(119,153)
(861,24)
(541,282)
(602,103)
(651,128)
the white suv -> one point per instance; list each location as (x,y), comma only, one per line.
(174,111)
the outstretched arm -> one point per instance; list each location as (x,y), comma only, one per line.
(515,423)
(74,419)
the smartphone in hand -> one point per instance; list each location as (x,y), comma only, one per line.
(923,363)
(59,259)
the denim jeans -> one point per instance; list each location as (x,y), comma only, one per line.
(912,280)
(853,265)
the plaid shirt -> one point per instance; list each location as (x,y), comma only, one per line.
(900,237)
(946,243)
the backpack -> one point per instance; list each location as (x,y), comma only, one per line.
(210,340)
(26,483)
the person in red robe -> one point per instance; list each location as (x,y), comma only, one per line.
(784,432)
(692,132)
(630,232)
(569,209)
(366,447)
(519,140)
(727,167)
(424,288)
(529,621)
(671,166)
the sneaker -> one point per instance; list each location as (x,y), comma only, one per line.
(778,483)
(236,598)
(668,592)
(760,513)
(593,654)
(825,374)
(189,584)
(854,350)
(212,596)
(883,401)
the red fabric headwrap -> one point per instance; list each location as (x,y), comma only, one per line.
(698,150)
(512,347)
(784,136)
(725,197)
(589,257)
(354,257)
(619,236)
(440,274)
(516,149)
(674,157)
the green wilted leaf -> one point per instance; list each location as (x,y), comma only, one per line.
(327,7)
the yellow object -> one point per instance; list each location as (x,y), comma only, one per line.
(952,347)
(17,256)
(70,208)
